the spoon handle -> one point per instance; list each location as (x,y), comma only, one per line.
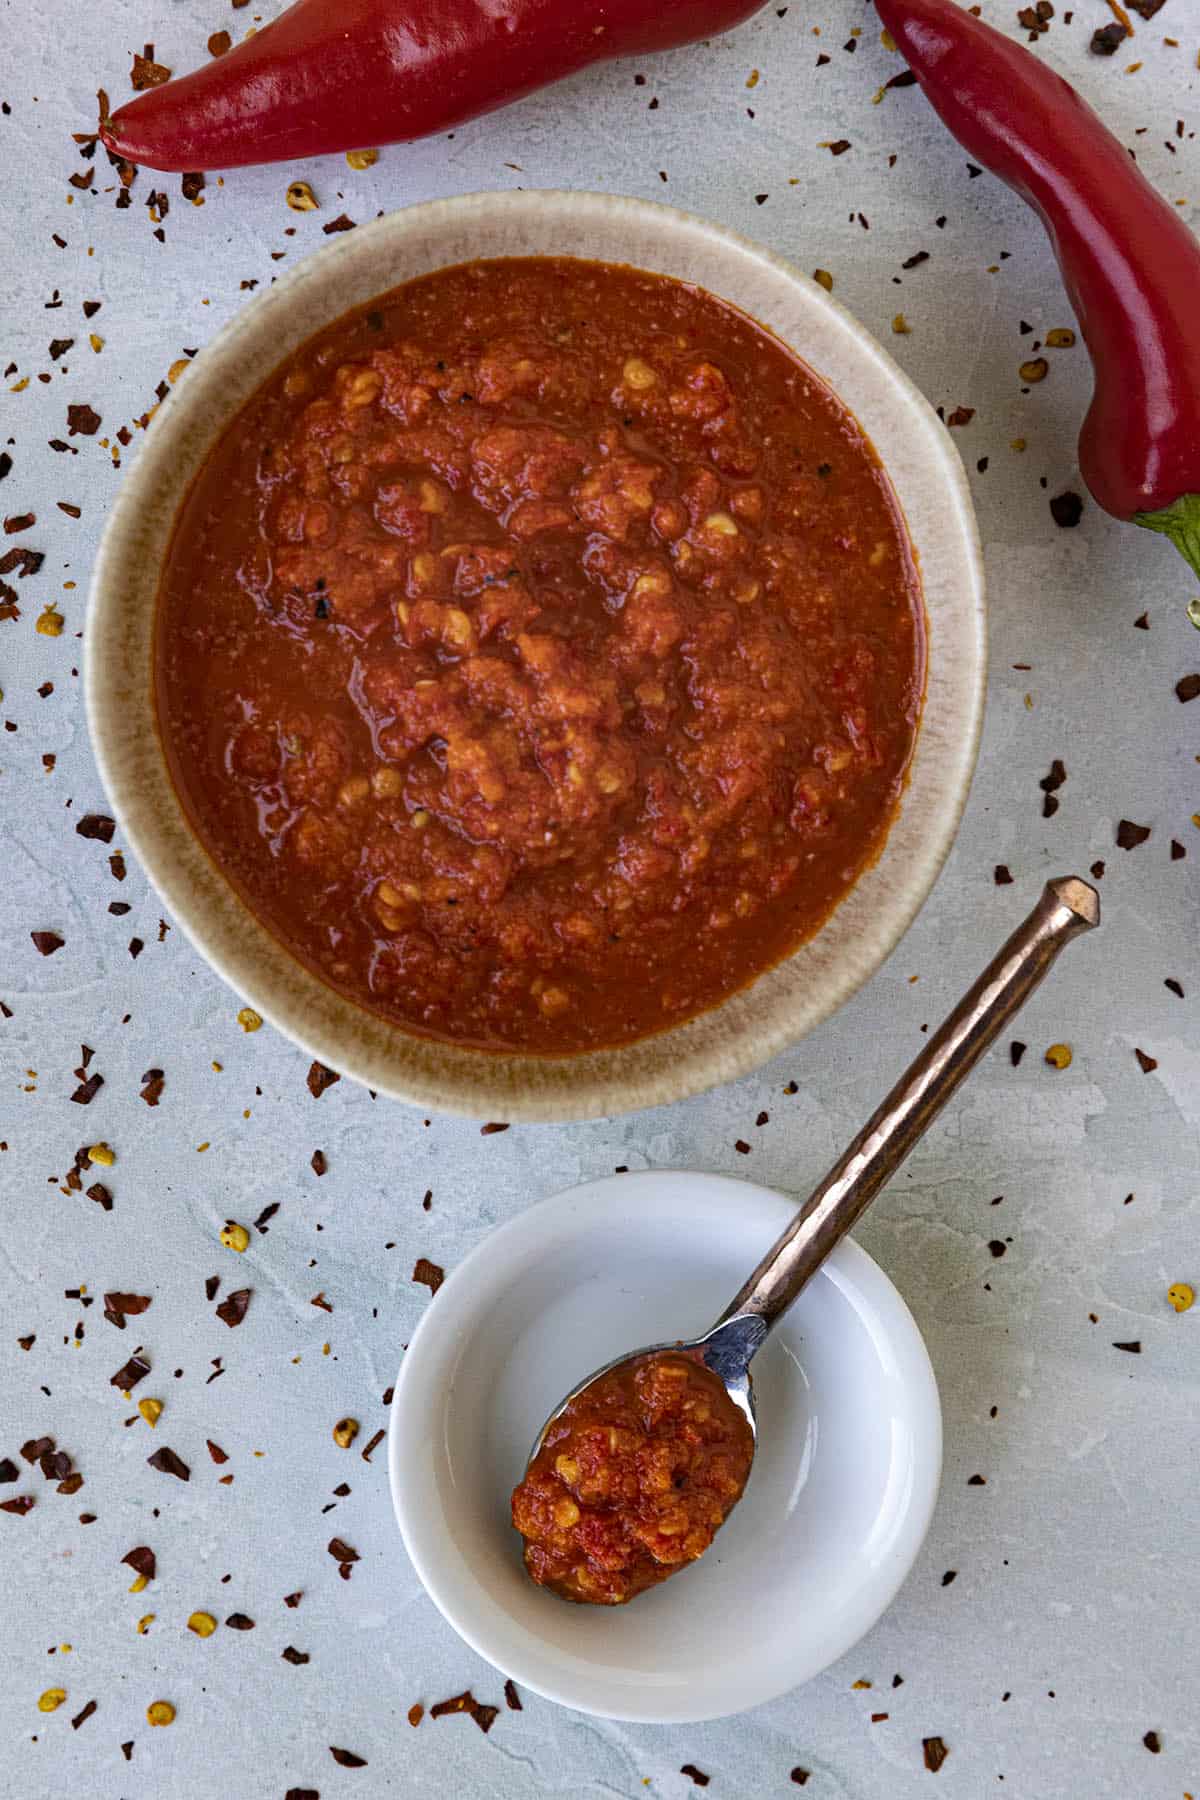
(1068,906)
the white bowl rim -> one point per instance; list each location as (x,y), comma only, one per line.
(714,1047)
(556,1219)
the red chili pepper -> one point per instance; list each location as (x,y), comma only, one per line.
(1130,264)
(340,74)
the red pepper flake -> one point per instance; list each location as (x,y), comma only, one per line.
(27,1343)
(268,1212)
(511,1697)
(741,1146)
(81,1717)
(800,1777)
(47,942)
(292,1793)
(346,1759)
(321,1301)
(233,1310)
(1146,1063)
(168,1463)
(20,522)
(320,1078)
(1134,1345)
(1188,688)
(697,1775)
(374,1444)
(1129,835)
(416,1713)
(142,1561)
(238,1621)
(96,825)
(1177,850)
(996,1247)
(18,1507)
(87,1090)
(118,1307)
(1002,875)
(146,73)
(219,43)
(318,1162)
(947,1578)
(116,864)
(1066,510)
(101,1195)
(128,1376)
(484,1716)
(977,1481)
(1097,871)
(962,415)
(84,420)
(72,511)
(1107,39)
(8,1471)
(341,1551)
(215,1451)
(838,148)
(136,946)
(211,1284)
(936,1753)
(1152,1742)
(153,1083)
(293,1600)
(1175,986)
(490,1129)
(296,1657)
(23,560)
(341,223)
(428,1273)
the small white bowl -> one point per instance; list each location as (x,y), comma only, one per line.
(839,1499)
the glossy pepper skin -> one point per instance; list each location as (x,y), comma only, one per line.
(1130,264)
(340,74)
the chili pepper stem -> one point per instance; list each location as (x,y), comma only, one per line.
(1181,523)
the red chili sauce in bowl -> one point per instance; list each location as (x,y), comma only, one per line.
(540,654)
(633,1479)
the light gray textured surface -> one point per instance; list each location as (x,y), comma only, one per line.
(1076,1584)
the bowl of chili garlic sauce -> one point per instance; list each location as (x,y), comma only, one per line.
(655,1571)
(549,686)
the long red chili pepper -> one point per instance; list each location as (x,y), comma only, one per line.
(1130,264)
(339,74)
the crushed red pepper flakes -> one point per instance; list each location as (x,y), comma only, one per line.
(1134,1345)
(1176,987)
(127,1751)
(19,1507)
(319,1078)
(511,1697)
(8,1471)
(977,1481)
(321,1301)
(697,1775)
(936,1753)
(800,1777)
(341,1551)
(130,1373)
(83,1715)
(293,1600)
(239,1621)
(1129,835)
(484,1716)
(346,1759)
(268,1212)
(47,942)
(87,1090)
(374,1444)
(96,825)
(146,73)
(292,1793)
(1146,1063)
(117,1307)
(428,1273)
(1152,1742)
(142,1561)
(318,1162)
(233,1309)
(342,223)
(153,1083)
(490,1129)
(211,1284)
(1002,875)
(296,1657)
(83,420)
(950,1576)
(215,1451)
(416,1713)
(1188,688)
(166,1461)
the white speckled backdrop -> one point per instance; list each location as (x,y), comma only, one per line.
(1070,1627)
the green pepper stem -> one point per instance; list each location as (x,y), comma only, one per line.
(1181,523)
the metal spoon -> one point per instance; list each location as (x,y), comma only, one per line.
(1068,906)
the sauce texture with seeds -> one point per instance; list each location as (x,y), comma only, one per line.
(540,654)
(633,1480)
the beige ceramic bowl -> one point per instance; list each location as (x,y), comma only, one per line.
(781,1005)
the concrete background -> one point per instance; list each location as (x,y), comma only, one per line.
(1071,1627)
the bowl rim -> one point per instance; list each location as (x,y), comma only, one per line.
(720,1045)
(552,1221)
